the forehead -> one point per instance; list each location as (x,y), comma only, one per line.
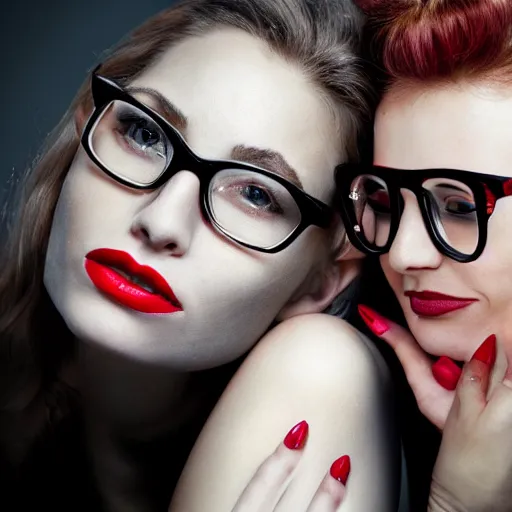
(234,91)
(459,126)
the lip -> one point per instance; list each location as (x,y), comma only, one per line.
(432,304)
(103,266)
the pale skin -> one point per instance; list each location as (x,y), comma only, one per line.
(473,471)
(140,370)
(269,483)
(301,370)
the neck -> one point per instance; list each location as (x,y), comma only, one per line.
(134,398)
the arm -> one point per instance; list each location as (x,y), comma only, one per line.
(316,368)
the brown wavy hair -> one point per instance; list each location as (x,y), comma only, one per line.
(323,36)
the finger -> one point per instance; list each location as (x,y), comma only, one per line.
(433,400)
(507,379)
(472,388)
(446,373)
(499,406)
(265,487)
(415,362)
(331,490)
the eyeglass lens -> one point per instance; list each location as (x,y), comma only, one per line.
(451,205)
(248,206)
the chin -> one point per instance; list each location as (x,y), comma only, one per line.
(439,340)
(99,323)
(106,327)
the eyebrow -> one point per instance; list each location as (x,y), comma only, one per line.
(267,159)
(164,107)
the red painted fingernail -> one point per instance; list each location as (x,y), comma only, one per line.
(296,438)
(486,352)
(375,322)
(446,373)
(340,469)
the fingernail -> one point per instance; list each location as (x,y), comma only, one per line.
(375,322)
(340,469)
(486,352)
(296,438)
(446,373)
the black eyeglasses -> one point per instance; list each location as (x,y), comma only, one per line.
(137,147)
(455,206)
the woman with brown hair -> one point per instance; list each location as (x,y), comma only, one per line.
(180,209)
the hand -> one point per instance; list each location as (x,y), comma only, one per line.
(473,471)
(269,482)
(433,384)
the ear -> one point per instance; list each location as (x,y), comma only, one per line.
(326,285)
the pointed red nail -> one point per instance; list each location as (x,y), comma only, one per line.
(375,322)
(486,352)
(340,469)
(296,437)
(446,373)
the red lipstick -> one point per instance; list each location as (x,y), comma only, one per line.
(139,287)
(429,303)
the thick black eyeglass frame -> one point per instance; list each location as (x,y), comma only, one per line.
(486,188)
(105,90)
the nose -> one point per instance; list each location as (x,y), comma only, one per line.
(412,249)
(169,220)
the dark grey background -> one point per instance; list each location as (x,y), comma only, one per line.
(46,49)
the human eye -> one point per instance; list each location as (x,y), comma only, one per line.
(459,206)
(256,196)
(452,198)
(141,134)
(253,194)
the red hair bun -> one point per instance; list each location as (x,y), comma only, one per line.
(441,38)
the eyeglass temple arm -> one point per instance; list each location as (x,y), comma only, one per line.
(491,198)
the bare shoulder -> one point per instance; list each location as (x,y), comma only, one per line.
(327,349)
(315,368)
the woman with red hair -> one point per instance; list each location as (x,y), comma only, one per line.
(434,204)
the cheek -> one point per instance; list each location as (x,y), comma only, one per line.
(261,282)
(432,341)
(240,298)
(240,295)
(91,211)
(492,272)
(393,278)
(67,224)
(89,203)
